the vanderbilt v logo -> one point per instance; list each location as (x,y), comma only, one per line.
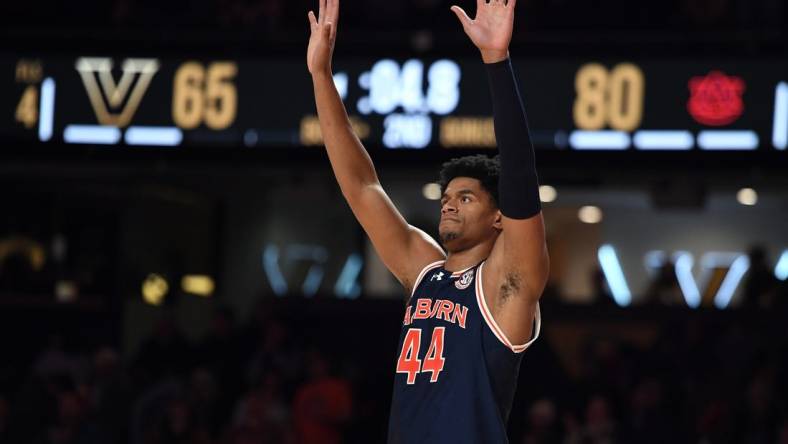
(116,103)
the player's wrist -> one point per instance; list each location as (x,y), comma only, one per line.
(322,74)
(494,55)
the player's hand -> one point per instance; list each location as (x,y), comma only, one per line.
(491,30)
(324,33)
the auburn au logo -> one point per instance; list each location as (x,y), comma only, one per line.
(116,102)
(716,99)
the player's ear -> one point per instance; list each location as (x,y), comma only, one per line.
(498,223)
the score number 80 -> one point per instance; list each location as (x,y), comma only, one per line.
(611,98)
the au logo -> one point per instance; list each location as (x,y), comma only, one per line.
(116,102)
(716,99)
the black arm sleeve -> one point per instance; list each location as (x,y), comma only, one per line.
(518,186)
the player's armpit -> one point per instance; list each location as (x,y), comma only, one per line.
(403,248)
(515,316)
(515,275)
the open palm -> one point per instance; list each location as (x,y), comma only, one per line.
(491,29)
(323,35)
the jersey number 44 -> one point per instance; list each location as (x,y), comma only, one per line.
(409,362)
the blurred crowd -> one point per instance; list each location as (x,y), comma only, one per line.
(257,384)
(700,382)
(708,377)
(702,378)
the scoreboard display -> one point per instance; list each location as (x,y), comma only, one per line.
(394,104)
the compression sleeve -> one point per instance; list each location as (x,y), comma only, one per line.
(518,185)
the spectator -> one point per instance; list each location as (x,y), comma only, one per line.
(110,395)
(648,421)
(178,426)
(322,405)
(204,397)
(262,416)
(665,289)
(599,428)
(71,426)
(760,285)
(219,356)
(600,291)
(542,423)
(165,354)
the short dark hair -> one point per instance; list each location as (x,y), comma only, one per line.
(484,169)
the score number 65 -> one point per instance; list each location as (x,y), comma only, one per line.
(205,95)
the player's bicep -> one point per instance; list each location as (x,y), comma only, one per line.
(520,258)
(404,249)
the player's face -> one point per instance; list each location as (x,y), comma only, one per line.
(468,215)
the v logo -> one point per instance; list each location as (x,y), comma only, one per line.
(122,97)
(721,274)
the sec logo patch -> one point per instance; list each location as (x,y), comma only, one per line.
(465,281)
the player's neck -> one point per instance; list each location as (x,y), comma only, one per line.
(462,259)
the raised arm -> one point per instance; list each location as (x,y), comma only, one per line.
(403,248)
(516,272)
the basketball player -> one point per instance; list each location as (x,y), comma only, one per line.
(473,310)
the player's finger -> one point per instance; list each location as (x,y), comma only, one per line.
(509,6)
(460,13)
(333,13)
(327,30)
(321,14)
(480,4)
(332,35)
(312,19)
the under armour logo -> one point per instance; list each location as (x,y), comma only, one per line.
(437,276)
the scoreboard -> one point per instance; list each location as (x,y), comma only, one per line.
(635,104)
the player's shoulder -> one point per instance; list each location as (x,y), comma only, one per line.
(422,274)
(424,253)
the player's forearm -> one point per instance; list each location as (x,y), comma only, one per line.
(518,182)
(352,165)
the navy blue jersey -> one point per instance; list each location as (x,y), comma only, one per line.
(456,371)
